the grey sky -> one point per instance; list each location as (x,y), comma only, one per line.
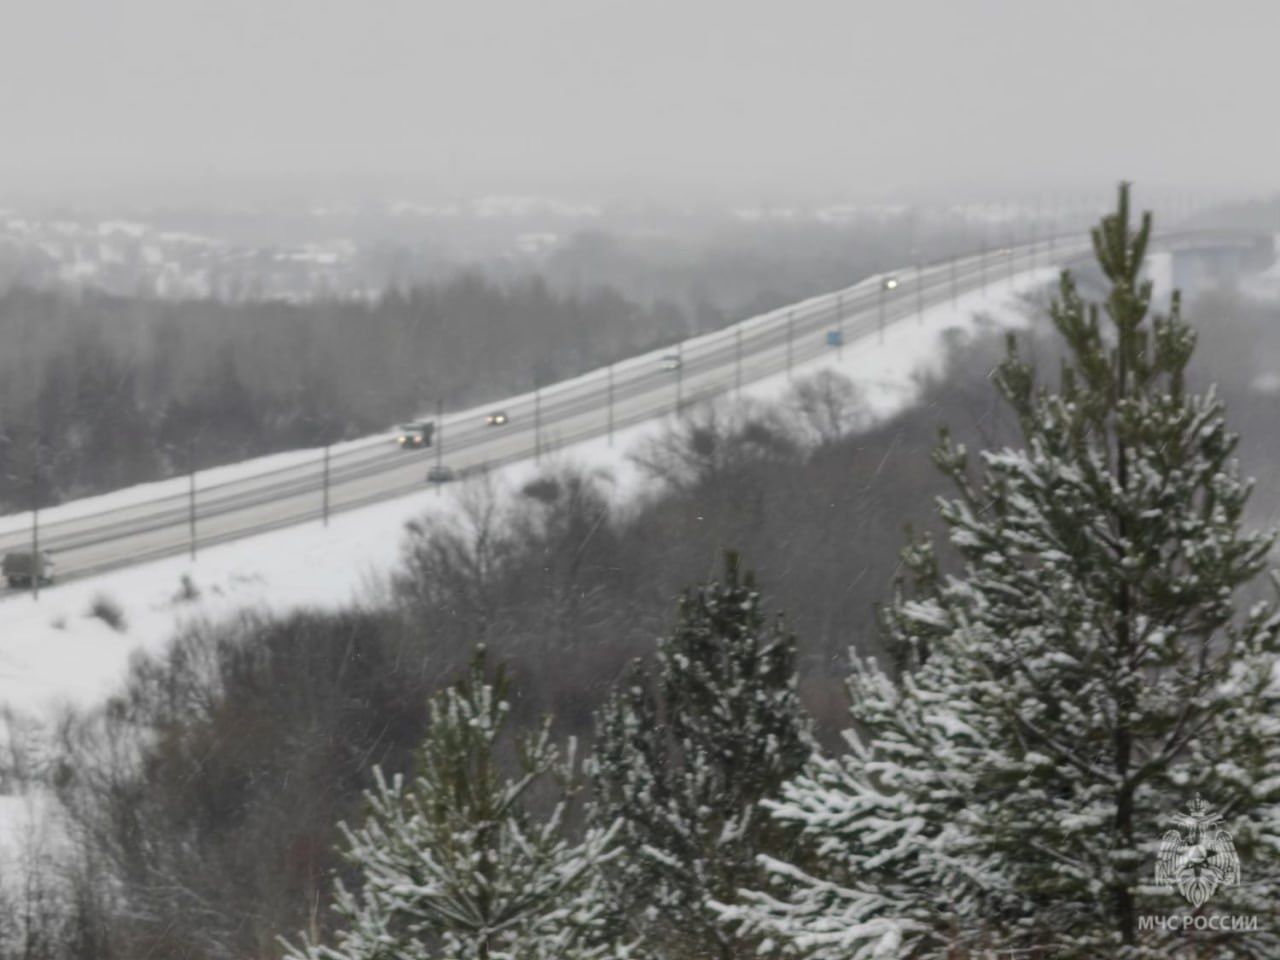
(733,96)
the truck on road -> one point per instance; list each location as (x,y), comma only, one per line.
(20,568)
(414,436)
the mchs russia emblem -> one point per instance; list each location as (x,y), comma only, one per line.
(1200,859)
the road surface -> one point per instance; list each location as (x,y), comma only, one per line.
(588,406)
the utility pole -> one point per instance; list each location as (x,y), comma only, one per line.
(325,507)
(610,403)
(737,361)
(37,567)
(919,293)
(537,424)
(191,495)
(1011,242)
(840,324)
(439,438)
(679,377)
(1035,230)
(791,327)
(880,314)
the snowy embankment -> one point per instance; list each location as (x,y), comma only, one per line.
(54,652)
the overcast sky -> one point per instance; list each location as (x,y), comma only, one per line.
(755,98)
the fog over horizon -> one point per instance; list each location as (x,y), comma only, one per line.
(600,99)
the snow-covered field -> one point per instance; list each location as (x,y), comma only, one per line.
(54,653)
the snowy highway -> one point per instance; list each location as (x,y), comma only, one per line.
(290,490)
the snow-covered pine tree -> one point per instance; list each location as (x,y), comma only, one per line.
(454,866)
(683,759)
(1073,687)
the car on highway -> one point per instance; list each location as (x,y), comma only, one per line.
(415,436)
(672,361)
(20,567)
(441,473)
(496,419)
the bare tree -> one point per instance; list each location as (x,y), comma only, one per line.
(452,564)
(827,406)
(712,443)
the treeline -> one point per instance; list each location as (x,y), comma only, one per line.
(103,391)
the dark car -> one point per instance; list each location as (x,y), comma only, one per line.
(496,419)
(22,566)
(440,473)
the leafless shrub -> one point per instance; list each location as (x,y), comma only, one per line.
(188,592)
(108,610)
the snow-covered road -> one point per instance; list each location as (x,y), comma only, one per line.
(138,525)
(54,652)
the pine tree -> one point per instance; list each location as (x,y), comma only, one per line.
(1081,678)
(684,758)
(453,865)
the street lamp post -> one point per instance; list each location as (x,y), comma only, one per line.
(737,361)
(324,510)
(840,324)
(791,327)
(191,495)
(679,377)
(439,440)
(610,402)
(887,284)
(36,565)
(919,293)
(880,313)
(537,424)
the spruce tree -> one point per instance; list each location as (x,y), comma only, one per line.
(454,865)
(683,759)
(1085,673)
